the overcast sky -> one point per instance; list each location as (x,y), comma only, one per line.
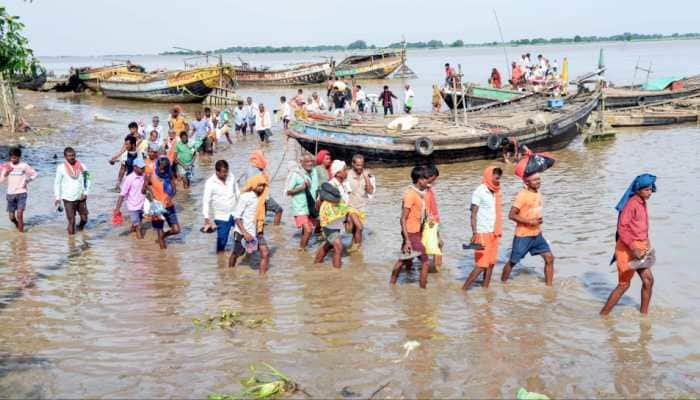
(98,27)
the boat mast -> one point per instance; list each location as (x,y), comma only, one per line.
(503,43)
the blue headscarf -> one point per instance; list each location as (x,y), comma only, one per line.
(640,182)
(165,176)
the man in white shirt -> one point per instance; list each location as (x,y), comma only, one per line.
(263,124)
(361,97)
(362,185)
(155,126)
(318,103)
(486,224)
(72,185)
(408,99)
(220,197)
(251,112)
(286,110)
(246,216)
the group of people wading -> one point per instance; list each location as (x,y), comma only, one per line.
(328,198)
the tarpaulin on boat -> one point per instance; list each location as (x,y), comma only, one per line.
(661,83)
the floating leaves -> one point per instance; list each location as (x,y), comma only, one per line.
(270,383)
(227,319)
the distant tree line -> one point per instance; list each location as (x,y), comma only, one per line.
(438,44)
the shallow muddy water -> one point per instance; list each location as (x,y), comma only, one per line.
(103,315)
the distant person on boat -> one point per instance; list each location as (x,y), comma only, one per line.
(329,87)
(413,214)
(177,121)
(251,115)
(72,186)
(221,194)
(513,151)
(526,212)
(373,100)
(408,97)
(318,103)
(239,118)
(132,192)
(249,214)
(298,100)
(495,79)
(286,112)
(263,124)
(17,174)
(450,76)
(361,98)
(632,242)
(436,99)
(362,184)
(386,98)
(516,75)
(160,190)
(487,225)
(300,187)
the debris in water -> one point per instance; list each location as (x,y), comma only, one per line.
(523,394)
(227,319)
(409,347)
(265,385)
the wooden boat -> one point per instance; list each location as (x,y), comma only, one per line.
(670,113)
(376,65)
(436,138)
(481,95)
(187,86)
(34,83)
(631,96)
(301,74)
(91,77)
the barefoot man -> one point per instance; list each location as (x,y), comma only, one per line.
(486,222)
(526,212)
(18,174)
(249,215)
(632,241)
(361,184)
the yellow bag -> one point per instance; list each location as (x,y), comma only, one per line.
(430,239)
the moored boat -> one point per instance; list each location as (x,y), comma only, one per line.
(91,77)
(187,86)
(436,138)
(476,96)
(376,65)
(301,74)
(656,91)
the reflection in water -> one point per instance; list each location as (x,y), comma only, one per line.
(632,359)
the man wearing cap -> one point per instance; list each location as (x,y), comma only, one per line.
(132,191)
(526,212)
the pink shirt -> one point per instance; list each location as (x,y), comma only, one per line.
(20,174)
(634,222)
(131,190)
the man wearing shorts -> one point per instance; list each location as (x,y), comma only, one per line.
(486,225)
(300,189)
(72,185)
(526,212)
(162,188)
(185,154)
(132,191)
(18,174)
(412,219)
(249,215)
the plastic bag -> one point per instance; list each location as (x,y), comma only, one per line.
(430,239)
(117,218)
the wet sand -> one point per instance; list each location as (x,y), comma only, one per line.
(104,315)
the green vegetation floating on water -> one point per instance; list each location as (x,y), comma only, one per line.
(262,385)
(227,319)
(438,44)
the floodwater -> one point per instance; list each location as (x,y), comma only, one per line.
(104,315)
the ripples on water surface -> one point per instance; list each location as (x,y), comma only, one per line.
(97,316)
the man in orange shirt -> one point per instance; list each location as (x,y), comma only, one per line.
(526,212)
(413,215)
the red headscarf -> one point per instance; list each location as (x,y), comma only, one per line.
(320,156)
(487,180)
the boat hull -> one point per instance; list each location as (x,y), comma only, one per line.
(618,99)
(386,151)
(373,66)
(178,87)
(306,74)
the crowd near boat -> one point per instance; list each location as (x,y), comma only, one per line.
(341,132)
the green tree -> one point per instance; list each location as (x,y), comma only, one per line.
(577,39)
(457,43)
(357,45)
(16,58)
(434,44)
